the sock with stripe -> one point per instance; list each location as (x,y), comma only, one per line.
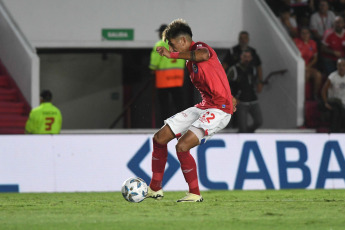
(189,171)
(159,160)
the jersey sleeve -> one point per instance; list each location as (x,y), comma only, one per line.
(30,126)
(154,59)
(56,127)
(203,46)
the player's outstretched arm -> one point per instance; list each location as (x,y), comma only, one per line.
(194,55)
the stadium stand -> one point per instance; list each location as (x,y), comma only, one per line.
(315,117)
(14,109)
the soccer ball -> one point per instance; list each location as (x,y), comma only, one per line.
(134,189)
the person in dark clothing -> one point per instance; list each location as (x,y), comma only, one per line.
(244,86)
(233,55)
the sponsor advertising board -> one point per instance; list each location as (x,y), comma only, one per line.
(69,163)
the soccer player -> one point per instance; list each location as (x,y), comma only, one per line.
(46,118)
(194,125)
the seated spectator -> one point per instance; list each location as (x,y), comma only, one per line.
(244,86)
(233,55)
(288,22)
(308,50)
(333,95)
(332,46)
(321,21)
(46,118)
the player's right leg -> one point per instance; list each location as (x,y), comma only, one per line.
(159,159)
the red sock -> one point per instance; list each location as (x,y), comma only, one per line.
(190,174)
(159,160)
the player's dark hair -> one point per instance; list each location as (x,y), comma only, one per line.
(46,95)
(176,28)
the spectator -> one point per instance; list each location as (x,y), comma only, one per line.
(169,75)
(244,85)
(288,22)
(233,55)
(308,50)
(46,118)
(321,21)
(333,95)
(332,46)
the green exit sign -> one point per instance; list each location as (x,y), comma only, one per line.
(118,34)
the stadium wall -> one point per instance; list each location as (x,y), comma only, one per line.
(19,57)
(79,23)
(69,163)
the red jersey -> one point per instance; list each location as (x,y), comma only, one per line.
(308,50)
(210,79)
(335,42)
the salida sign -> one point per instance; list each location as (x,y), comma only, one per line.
(252,148)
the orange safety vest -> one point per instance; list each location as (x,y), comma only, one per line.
(169,72)
(167,78)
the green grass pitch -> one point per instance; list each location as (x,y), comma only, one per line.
(268,209)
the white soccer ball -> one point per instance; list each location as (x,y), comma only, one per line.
(134,189)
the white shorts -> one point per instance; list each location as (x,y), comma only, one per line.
(210,120)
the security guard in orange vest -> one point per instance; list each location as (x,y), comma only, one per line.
(169,80)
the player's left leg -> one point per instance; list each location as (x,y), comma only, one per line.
(188,165)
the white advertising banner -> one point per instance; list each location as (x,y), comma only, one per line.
(69,163)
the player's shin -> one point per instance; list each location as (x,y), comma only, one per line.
(189,170)
(159,159)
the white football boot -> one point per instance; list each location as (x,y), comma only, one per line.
(191,198)
(158,195)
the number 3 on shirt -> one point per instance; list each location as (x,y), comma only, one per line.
(49,123)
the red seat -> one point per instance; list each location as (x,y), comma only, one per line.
(14,109)
(3,82)
(8,94)
(12,130)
